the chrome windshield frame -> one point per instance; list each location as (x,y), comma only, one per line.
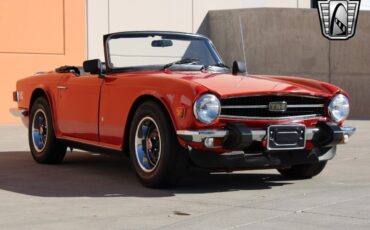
(164,35)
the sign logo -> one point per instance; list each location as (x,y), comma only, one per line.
(278,106)
(338,18)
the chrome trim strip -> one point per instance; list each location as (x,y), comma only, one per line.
(18,112)
(84,142)
(277,94)
(199,135)
(266,106)
(62,87)
(257,134)
(39,73)
(310,132)
(348,130)
(306,106)
(244,107)
(273,118)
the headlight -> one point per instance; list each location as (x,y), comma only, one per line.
(207,108)
(339,108)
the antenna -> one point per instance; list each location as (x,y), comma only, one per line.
(242,36)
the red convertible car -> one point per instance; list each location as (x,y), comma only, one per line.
(169,102)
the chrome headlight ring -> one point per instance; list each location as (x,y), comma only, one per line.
(339,108)
(207,108)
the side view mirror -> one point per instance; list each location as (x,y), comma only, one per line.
(239,67)
(94,66)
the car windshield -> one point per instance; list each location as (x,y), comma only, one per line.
(160,50)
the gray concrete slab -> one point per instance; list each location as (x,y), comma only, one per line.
(92,191)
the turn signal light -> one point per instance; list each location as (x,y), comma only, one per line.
(345,139)
(180,112)
(17,96)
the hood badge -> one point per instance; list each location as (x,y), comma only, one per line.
(278,106)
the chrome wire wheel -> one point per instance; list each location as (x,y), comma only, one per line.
(39,130)
(147,144)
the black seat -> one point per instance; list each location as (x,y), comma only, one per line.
(78,70)
(69,69)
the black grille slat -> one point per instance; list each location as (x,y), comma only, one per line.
(266,99)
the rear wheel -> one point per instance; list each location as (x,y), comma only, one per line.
(303,171)
(155,153)
(45,148)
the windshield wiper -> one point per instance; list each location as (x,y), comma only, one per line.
(181,62)
(221,65)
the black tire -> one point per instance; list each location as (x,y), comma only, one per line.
(303,171)
(52,150)
(172,161)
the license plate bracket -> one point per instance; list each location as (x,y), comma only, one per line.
(286,137)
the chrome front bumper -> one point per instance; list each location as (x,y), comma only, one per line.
(200,136)
(18,112)
(257,134)
(348,130)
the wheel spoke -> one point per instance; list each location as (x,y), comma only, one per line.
(142,156)
(40,120)
(143,132)
(43,139)
(38,139)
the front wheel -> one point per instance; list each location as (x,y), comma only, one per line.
(155,153)
(303,171)
(45,147)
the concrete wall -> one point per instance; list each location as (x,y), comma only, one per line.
(289,42)
(365,5)
(107,16)
(37,35)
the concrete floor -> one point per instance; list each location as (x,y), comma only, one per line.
(99,192)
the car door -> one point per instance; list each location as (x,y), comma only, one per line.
(117,95)
(78,107)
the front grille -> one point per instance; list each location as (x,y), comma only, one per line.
(257,106)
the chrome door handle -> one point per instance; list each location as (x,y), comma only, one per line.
(62,87)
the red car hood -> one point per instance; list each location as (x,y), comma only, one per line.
(231,85)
